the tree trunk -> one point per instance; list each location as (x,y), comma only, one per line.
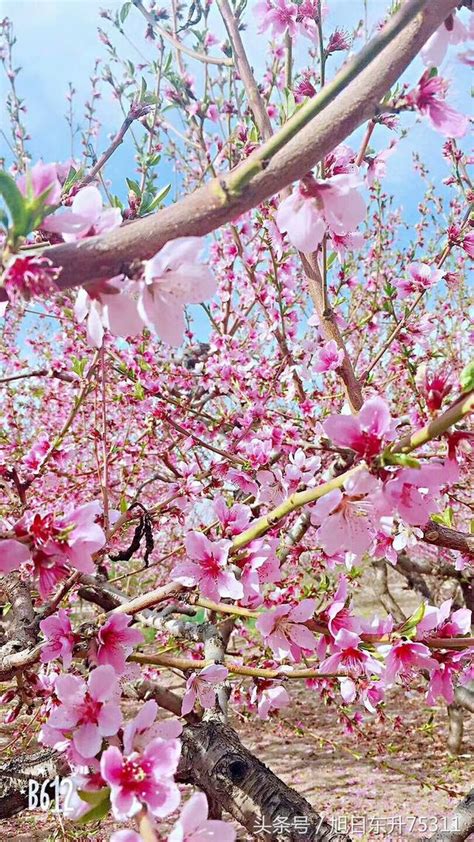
(215,760)
(41,766)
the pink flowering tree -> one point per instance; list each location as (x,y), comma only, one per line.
(236,413)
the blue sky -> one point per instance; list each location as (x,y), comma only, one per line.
(57,43)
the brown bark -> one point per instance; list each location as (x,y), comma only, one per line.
(456,727)
(443,536)
(41,766)
(215,760)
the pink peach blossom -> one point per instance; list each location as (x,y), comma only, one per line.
(377,166)
(404,657)
(268,696)
(421,278)
(201,686)
(142,780)
(329,357)
(111,305)
(31,276)
(284,631)
(115,642)
(348,520)
(441,684)
(60,638)
(410,492)
(85,218)
(349,657)
(339,614)
(440,622)
(138,732)
(41,179)
(367,432)
(88,712)
(234,518)
(261,566)
(85,536)
(316,207)
(54,543)
(452,31)
(277,15)
(173,278)
(194,826)
(429,97)
(12,554)
(208,568)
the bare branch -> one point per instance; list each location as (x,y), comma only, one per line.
(443,536)
(256,101)
(226,62)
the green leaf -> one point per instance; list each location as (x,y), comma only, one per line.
(411,623)
(100,808)
(134,187)
(446,518)
(253,134)
(79,366)
(400,459)
(168,62)
(330,260)
(145,203)
(160,196)
(149,634)
(124,12)
(139,392)
(94,796)
(16,204)
(290,101)
(466,378)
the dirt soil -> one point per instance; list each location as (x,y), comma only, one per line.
(396,783)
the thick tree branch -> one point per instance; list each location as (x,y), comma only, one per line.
(215,760)
(211,206)
(443,536)
(41,766)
